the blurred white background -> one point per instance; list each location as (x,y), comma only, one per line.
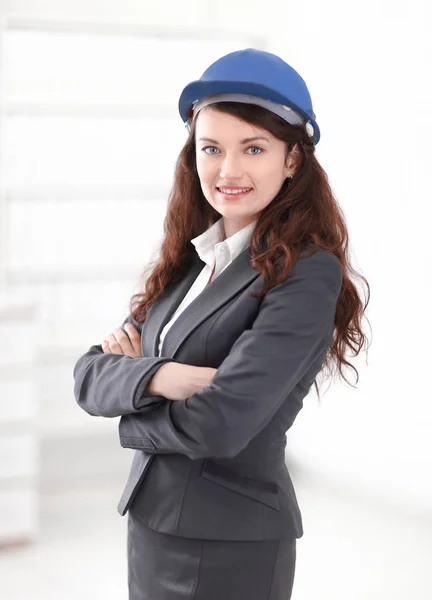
(89,133)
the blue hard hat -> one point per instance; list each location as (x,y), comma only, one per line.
(256,73)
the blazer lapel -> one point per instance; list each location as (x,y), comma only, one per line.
(230,282)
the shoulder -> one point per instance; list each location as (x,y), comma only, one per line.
(320,264)
(314,269)
(307,297)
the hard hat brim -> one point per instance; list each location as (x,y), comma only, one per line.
(196,90)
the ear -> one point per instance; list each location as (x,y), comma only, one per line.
(292,161)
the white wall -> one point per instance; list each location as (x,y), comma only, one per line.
(367,67)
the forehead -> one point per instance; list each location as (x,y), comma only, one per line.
(211,122)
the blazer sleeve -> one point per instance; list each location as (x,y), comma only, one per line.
(111,385)
(293,328)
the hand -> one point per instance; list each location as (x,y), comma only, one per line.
(121,343)
(177,381)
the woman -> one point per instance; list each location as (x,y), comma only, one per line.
(248,302)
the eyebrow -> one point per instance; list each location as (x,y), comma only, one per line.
(245,141)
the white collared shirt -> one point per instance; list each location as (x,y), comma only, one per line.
(216,253)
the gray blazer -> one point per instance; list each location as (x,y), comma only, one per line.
(213,466)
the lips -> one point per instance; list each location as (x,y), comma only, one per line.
(232,189)
(233,195)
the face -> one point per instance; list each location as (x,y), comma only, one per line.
(231,153)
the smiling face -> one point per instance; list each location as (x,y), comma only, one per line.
(231,153)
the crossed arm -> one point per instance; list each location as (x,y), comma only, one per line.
(292,331)
(291,334)
(114,379)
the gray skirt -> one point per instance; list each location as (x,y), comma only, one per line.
(165,567)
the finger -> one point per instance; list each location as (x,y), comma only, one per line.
(114,344)
(125,342)
(105,347)
(135,337)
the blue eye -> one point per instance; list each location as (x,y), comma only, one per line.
(254,147)
(204,149)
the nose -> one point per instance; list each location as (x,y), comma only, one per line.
(231,168)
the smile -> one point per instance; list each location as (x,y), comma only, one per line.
(231,193)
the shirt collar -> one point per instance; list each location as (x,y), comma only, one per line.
(206,242)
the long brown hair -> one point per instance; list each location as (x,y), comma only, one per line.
(303,214)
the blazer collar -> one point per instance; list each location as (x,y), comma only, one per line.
(234,278)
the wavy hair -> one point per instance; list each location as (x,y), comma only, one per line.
(304,213)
